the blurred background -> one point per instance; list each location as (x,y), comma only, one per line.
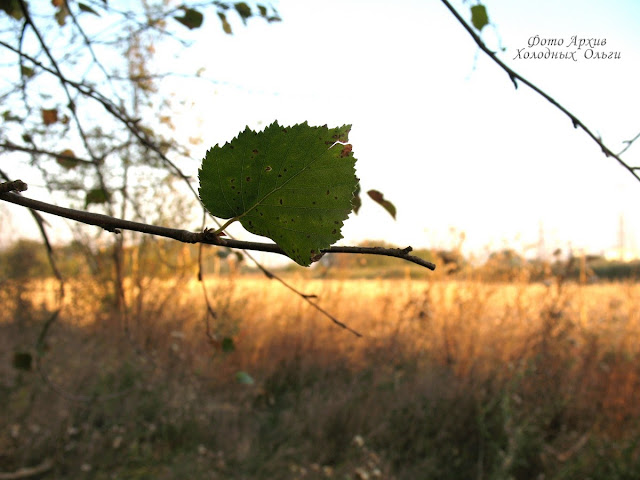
(130,356)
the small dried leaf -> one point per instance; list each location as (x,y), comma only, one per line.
(49,116)
(386,204)
(62,13)
(225,24)
(191,18)
(86,8)
(243,10)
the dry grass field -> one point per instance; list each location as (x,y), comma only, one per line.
(451,380)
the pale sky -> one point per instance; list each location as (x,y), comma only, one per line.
(437,126)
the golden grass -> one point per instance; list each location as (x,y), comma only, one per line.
(544,372)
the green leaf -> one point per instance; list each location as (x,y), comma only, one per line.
(479,17)
(12,8)
(356,201)
(27,71)
(191,18)
(227,345)
(263,10)
(379,197)
(225,24)
(244,378)
(22,361)
(96,195)
(291,184)
(86,8)
(243,10)
(66,159)
(8,116)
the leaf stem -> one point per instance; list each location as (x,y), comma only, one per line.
(223,227)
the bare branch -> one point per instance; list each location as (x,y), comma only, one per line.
(115,225)
(515,77)
(37,151)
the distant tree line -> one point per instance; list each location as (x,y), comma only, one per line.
(27,259)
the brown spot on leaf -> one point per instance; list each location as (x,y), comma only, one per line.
(346,150)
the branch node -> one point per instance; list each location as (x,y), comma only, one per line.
(211,236)
(13,186)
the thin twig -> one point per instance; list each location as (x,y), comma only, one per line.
(28,472)
(308,298)
(517,77)
(628,145)
(72,104)
(38,151)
